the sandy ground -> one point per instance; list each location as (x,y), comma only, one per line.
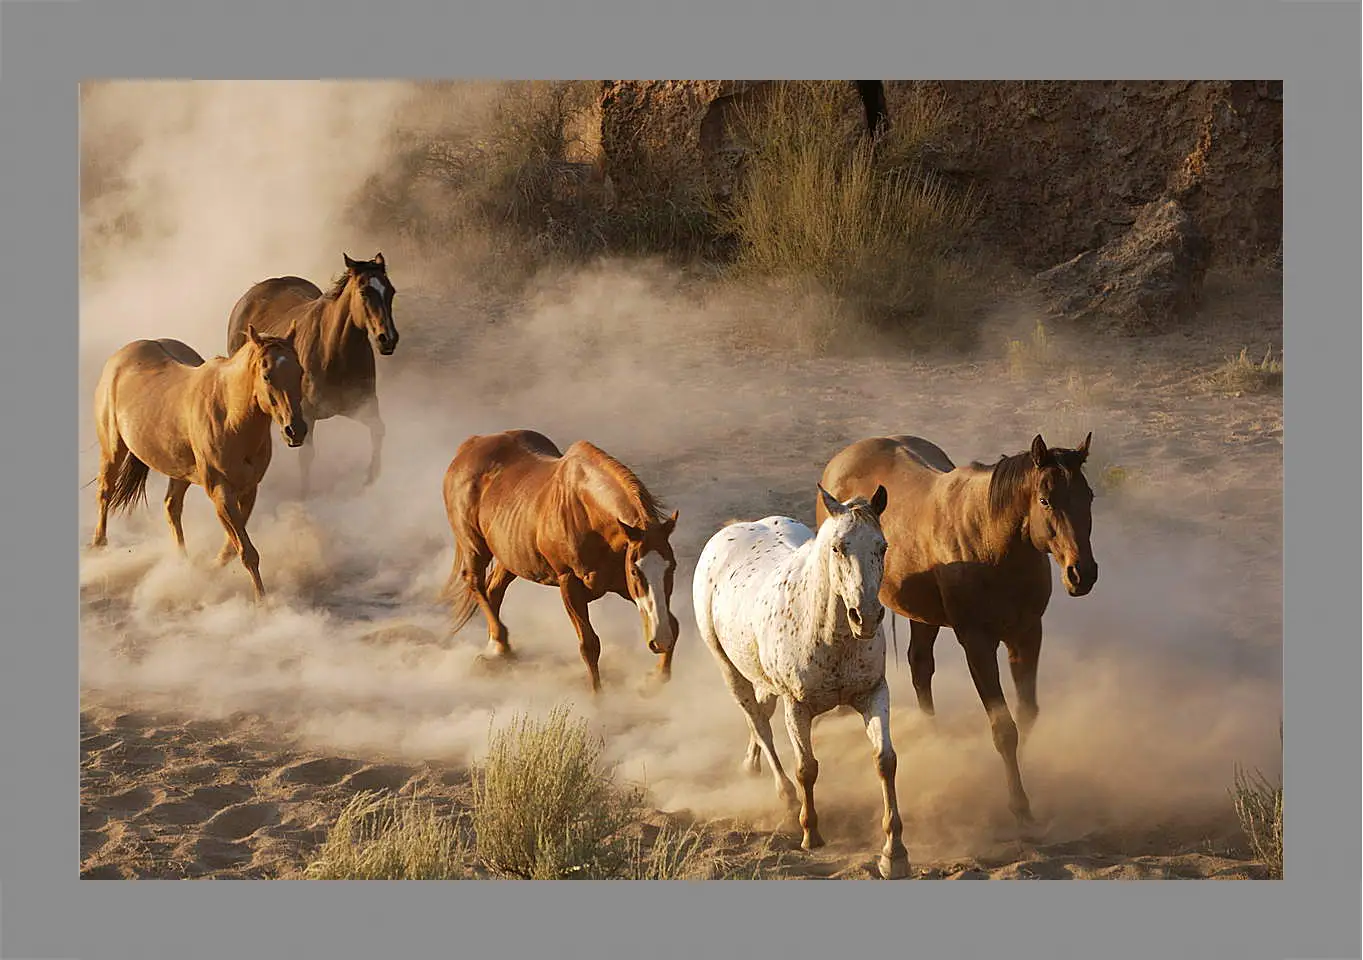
(220,740)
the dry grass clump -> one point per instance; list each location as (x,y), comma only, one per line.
(1241,375)
(818,201)
(380,836)
(545,807)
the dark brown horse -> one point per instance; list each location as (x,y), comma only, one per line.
(580,521)
(333,342)
(160,406)
(968,548)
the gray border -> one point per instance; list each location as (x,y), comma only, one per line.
(47,48)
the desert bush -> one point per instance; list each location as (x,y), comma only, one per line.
(385,837)
(546,807)
(1240,374)
(818,201)
(1259,805)
(1028,356)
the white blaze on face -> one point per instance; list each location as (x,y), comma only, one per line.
(377,285)
(652,604)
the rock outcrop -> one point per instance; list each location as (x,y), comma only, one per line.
(1145,281)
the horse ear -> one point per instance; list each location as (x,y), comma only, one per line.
(1084,447)
(290,333)
(251,332)
(671,523)
(349,264)
(879,499)
(831,503)
(634,534)
(1040,454)
(378,258)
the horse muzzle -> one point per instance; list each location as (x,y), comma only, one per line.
(1080,578)
(862,627)
(387,344)
(294,436)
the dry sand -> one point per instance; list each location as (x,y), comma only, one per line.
(219,740)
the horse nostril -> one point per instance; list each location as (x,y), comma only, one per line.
(1072,574)
(855,616)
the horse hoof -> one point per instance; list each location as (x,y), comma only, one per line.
(894,868)
(811,841)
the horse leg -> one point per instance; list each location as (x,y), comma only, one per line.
(875,713)
(175,508)
(369,416)
(229,514)
(982,654)
(496,592)
(246,502)
(111,462)
(574,593)
(1024,652)
(799,724)
(475,575)
(921,664)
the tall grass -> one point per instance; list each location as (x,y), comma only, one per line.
(819,201)
(544,807)
(385,837)
(1259,806)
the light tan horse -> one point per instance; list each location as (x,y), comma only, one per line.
(334,329)
(160,406)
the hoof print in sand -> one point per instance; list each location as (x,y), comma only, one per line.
(240,821)
(322,772)
(216,854)
(387,777)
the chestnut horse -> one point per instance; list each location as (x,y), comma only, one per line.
(968,548)
(333,342)
(160,406)
(580,521)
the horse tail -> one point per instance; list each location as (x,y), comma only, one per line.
(457,593)
(130,484)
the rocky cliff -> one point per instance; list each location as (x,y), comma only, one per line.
(1062,167)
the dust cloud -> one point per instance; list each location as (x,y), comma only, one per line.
(1151,688)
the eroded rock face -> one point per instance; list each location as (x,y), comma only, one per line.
(1145,281)
(1061,167)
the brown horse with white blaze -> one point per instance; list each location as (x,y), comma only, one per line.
(968,550)
(578,520)
(334,332)
(160,406)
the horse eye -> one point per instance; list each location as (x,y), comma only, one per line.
(1045,502)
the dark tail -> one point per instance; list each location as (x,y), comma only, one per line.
(130,485)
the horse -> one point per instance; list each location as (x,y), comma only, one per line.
(794,615)
(159,405)
(579,520)
(968,549)
(333,342)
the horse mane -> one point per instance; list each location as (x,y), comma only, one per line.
(337,285)
(649,505)
(1012,476)
(1009,477)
